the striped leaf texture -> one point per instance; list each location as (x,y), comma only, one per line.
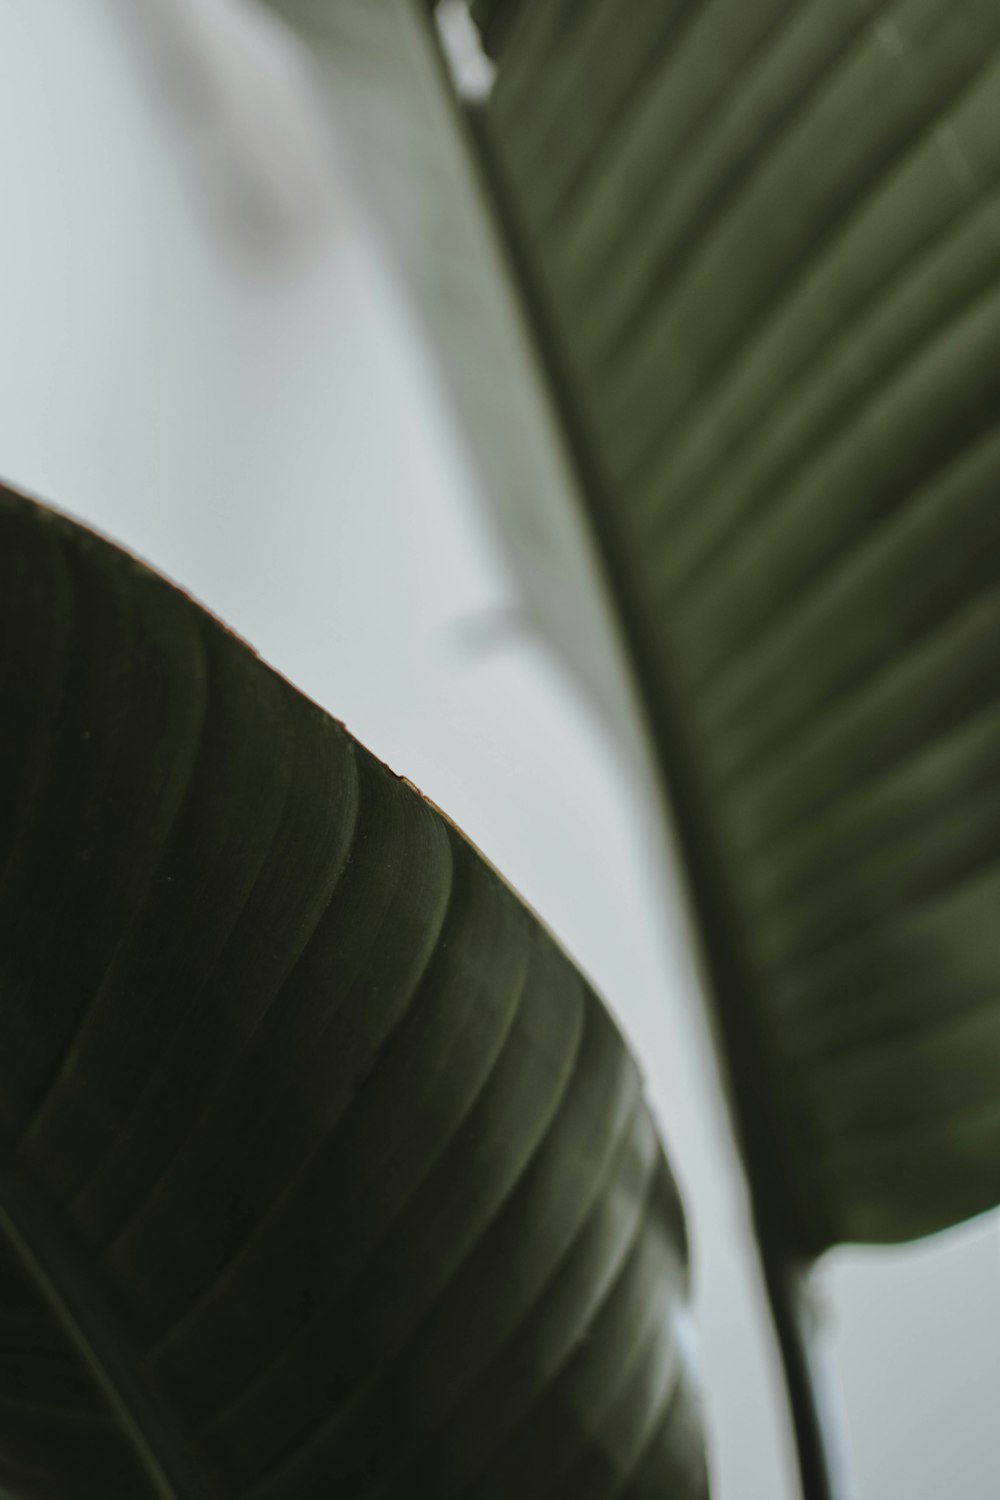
(322,1170)
(764,239)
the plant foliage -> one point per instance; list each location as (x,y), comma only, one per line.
(322,1170)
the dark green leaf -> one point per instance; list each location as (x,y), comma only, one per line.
(765,239)
(322,1171)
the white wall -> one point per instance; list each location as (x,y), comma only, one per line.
(201,353)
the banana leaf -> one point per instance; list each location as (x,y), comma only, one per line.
(764,238)
(756,246)
(322,1170)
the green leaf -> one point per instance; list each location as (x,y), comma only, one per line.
(493,19)
(764,240)
(399,126)
(322,1171)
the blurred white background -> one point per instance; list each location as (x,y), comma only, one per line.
(204,355)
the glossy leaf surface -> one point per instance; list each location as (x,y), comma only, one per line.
(323,1170)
